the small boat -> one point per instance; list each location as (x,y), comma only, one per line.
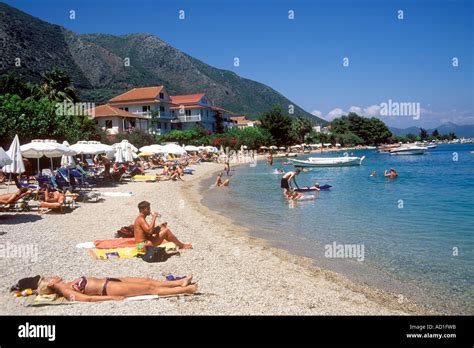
(387,148)
(343,161)
(409,150)
(431,146)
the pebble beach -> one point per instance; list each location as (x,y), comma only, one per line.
(237,274)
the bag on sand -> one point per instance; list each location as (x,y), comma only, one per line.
(125,232)
(157,254)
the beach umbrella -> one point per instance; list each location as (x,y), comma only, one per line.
(4,158)
(191,148)
(119,155)
(84,148)
(49,148)
(282,148)
(67,161)
(263,147)
(296,146)
(173,149)
(154,149)
(103,147)
(17,166)
(273,147)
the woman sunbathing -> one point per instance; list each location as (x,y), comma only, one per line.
(89,289)
(9,198)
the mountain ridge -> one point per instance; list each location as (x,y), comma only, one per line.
(466,131)
(95,63)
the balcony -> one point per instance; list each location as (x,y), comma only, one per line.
(193,118)
(161,114)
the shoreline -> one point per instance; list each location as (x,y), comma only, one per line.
(237,274)
(379,296)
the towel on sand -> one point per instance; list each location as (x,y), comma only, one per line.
(45,300)
(123,252)
(114,243)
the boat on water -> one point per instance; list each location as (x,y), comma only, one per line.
(387,148)
(343,161)
(431,146)
(409,150)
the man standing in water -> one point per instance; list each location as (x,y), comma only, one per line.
(285,181)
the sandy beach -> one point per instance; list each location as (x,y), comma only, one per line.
(237,274)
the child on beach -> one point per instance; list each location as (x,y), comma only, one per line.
(220,183)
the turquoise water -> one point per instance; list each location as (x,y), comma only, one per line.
(417,230)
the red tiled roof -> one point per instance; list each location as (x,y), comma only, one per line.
(143,94)
(110,111)
(242,120)
(186,98)
(193,106)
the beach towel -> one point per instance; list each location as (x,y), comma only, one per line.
(46,300)
(114,243)
(124,252)
(144,177)
(116,253)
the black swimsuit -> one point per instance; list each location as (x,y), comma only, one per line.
(284,184)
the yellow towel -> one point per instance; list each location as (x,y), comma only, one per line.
(124,253)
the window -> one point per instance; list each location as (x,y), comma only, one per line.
(165,125)
(126,109)
(162,108)
(108,124)
(146,108)
(162,96)
(187,112)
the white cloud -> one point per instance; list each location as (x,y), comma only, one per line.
(356,109)
(317,113)
(372,110)
(334,113)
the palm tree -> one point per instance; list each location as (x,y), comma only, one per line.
(301,127)
(57,86)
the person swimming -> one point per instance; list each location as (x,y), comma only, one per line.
(392,173)
(374,173)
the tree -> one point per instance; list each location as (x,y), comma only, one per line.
(11,84)
(361,130)
(278,125)
(423,134)
(435,133)
(56,86)
(300,127)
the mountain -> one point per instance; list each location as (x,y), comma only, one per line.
(95,63)
(466,131)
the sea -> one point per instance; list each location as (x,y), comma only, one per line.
(412,236)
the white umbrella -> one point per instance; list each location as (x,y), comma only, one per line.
(273,147)
(17,166)
(67,161)
(48,148)
(296,146)
(263,147)
(4,158)
(191,148)
(119,155)
(152,149)
(103,147)
(173,149)
(282,148)
(84,148)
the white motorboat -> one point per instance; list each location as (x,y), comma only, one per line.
(431,146)
(409,150)
(343,161)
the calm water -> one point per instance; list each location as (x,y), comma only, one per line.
(410,227)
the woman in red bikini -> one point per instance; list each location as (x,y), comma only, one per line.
(89,289)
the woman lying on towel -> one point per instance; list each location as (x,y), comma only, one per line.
(89,289)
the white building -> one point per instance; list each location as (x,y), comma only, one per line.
(114,120)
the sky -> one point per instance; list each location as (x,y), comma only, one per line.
(329,57)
